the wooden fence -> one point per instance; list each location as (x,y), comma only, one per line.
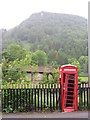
(39,98)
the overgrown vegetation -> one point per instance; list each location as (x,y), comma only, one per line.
(13,59)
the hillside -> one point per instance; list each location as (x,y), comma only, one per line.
(61,36)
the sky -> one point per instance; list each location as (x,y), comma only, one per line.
(13,12)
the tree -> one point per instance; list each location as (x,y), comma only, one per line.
(13,52)
(75,62)
(11,71)
(84,63)
(54,64)
(40,58)
(15,57)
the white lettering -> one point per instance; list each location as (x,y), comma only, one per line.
(69,69)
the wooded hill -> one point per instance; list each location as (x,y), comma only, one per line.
(61,36)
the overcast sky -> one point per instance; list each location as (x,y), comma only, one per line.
(13,12)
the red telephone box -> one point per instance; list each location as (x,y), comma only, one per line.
(68,79)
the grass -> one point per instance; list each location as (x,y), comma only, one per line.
(83,79)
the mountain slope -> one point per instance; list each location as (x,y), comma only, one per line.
(59,35)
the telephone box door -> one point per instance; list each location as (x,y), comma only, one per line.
(69,93)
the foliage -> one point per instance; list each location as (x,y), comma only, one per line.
(8,109)
(10,72)
(54,64)
(13,52)
(10,105)
(53,79)
(13,58)
(48,40)
(83,79)
(89,107)
(40,58)
(83,60)
(12,63)
(75,62)
(60,36)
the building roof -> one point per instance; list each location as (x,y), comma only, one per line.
(48,69)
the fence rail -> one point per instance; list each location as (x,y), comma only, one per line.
(83,95)
(39,98)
